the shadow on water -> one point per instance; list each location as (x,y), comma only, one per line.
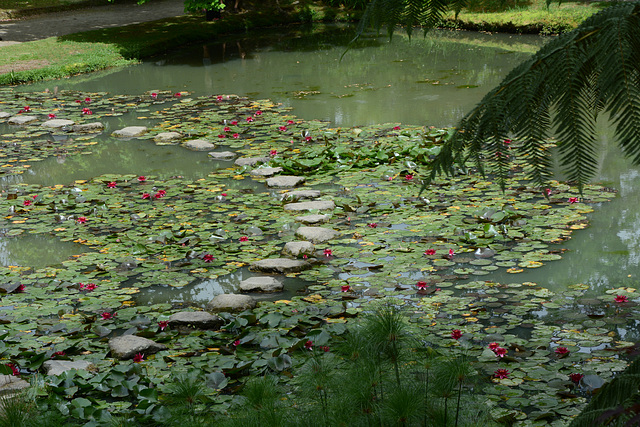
(37,251)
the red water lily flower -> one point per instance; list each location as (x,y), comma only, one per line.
(88,287)
(26,109)
(227,129)
(500,352)
(308,139)
(290,122)
(328,252)
(451,253)
(234,122)
(575,378)
(112,184)
(273,153)
(345,288)
(244,238)
(561,351)
(325,348)
(430,252)
(236,343)
(282,128)
(107,316)
(58,354)
(81,219)
(161,193)
(146,195)
(573,200)
(308,345)
(177,94)
(501,373)
(52,116)
(87,112)
(547,191)
(224,194)
(236,135)
(154,95)
(163,324)
(249,119)
(207,258)
(372,225)
(408,177)
(258,113)
(456,334)
(621,298)
(396,128)
(222,136)
(14,369)
(507,141)
(421,285)
(20,289)
(27,203)
(87,100)
(138,358)
(142,178)
(219,97)
(493,346)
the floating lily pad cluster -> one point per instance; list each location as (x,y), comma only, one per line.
(433,250)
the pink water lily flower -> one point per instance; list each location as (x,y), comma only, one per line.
(421,285)
(573,200)
(328,252)
(501,373)
(249,119)
(163,324)
(112,184)
(138,358)
(52,116)
(236,135)
(500,352)
(27,203)
(87,112)
(430,252)
(308,139)
(345,288)
(244,238)
(273,153)
(258,113)
(621,298)
(81,219)
(282,128)
(107,316)
(142,178)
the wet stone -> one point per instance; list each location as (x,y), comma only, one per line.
(321,205)
(231,303)
(199,145)
(4,115)
(317,234)
(196,319)
(298,248)
(222,155)
(56,367)
(130,132)
(313,219)
(279,265)
(261,284)
(127,346)
(301,194)
(285,181)
(266,171)
(250,161)
(167,136)
(21,120)
(88,127)
(10,384)
(57,123)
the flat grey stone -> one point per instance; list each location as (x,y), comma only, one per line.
(301,194)
(4,115)
(130,132)
(279,265)
(88,127)
(22,120)
(56,367)
(199,145)
(266,171)
(316,234)
(167,136)
(251,161)
(321,205)
(297,248)
(313,219)
(231,303)
(222,155)
(197,319)
(11,385)
(285,181)
(261,284)
(57,123)
(127,346)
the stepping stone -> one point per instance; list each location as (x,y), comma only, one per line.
(321,205)
(88,127)
(21,120)
(231,303)
(4,115)
(317,234)
(222,155)
(285,181)
(261,284)
(167,136)
(127,346)
(279,265)
(199,145)
(56,367)
(301,194)
(298,248)
(10,385)
(130,132)
(313,219)
(197,319)
(266,171)
(57,123)
(251,161)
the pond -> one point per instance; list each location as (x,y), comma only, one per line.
(377,81)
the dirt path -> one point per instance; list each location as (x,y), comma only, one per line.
(62,23)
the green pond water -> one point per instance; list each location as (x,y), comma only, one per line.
(431,81)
